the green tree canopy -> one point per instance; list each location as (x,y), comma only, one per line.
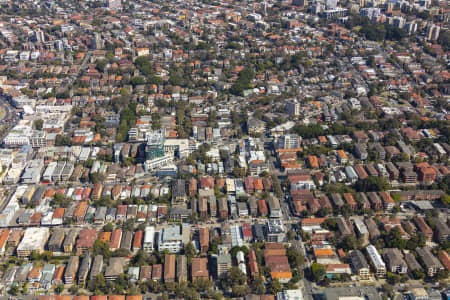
(318,271)
(243,81)
(372,184)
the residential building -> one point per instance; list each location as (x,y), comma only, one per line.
(276,231)
(223,263)
(71,270)
(360,265)
(174,238)
(149,239)
(33,240)
(431,264)
(182,269)
(199,268)
(377,262)
(394,260)
(169,268)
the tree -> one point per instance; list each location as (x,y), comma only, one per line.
(309,131)
(38,124)
(59,289)
(109,227)
(444,184)
(164,296)
(416,240)
(96,177)
(240,290)
(393,278)
(134,290)
(189,250)
(73,290)
(445,200)
(372,184)
(211,294)
(154,286)
(101,64)
(105,200)
(129,225)
(101,248)
(394,239)
(396,197)
(13,290)
(349,243)
(89,163)
(60,200)
(239,172)
(290,235)
(318,271)
(121,252)
(202,285)
(243,82)
(121,284)
(234,251)
(275,287)
(402,157)
(418,274)
(189,294)
(330,224)
(97,284)
(234,277)
(137,80)
(143,65)
(214,245)
(388,289)
(276,186)
(444,39)
(295,258)
(442,274)
(257,287)
(323,212)
(142,258)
